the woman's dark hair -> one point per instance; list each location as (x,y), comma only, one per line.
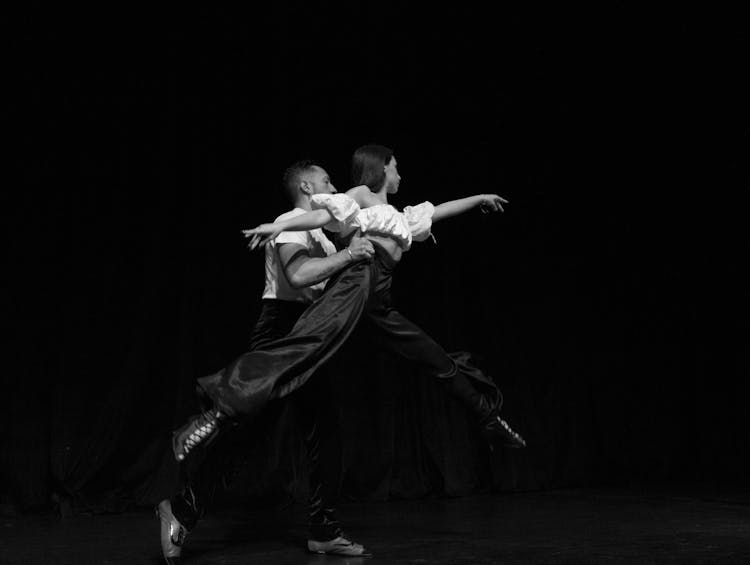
(368,163)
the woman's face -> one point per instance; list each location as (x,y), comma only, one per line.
(392,178)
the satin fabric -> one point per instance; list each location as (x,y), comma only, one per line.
(317,413)
(413,224)
(403,338)
(279,367)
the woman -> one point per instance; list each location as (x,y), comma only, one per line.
(361,291)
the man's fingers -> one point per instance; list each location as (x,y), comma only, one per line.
(259,236)
(256,241)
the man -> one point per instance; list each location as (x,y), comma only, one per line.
(297,265)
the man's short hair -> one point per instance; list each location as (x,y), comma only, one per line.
(291,179)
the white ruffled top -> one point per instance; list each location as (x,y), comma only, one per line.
(413,224)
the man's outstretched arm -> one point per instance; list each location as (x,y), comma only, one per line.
(265,233)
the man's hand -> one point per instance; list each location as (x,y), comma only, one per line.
(263,234)
(491,203)
(361,248)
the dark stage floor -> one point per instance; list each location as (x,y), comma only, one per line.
(675,524)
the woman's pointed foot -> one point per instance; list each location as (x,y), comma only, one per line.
(200,430)
(496,429)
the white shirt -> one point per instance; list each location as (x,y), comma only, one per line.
(277,285)
(413,224)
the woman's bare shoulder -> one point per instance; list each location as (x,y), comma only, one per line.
(361,189)
(363,196)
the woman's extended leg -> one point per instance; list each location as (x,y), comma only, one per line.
(455,371)
(278,367)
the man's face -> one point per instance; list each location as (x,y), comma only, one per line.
(318,181)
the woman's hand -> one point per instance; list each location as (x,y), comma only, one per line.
(491,203)
(261,235)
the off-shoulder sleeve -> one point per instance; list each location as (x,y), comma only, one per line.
(419,219)
(342,207)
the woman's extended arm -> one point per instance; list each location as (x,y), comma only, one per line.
(488,202)
(304,222)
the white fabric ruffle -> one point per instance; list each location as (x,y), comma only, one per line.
(414,223)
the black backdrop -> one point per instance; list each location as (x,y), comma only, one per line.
(608,301)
